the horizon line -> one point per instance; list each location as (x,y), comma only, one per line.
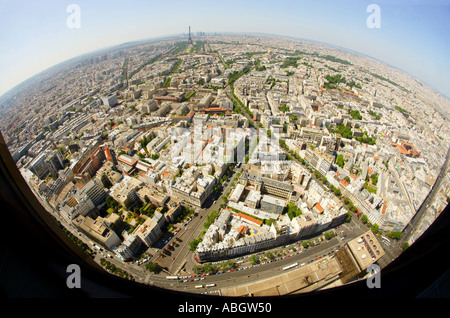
(211,33)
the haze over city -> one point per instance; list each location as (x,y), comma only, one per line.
(413,35)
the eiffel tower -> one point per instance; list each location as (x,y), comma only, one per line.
(190,43)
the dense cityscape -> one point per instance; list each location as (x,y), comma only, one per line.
(192,161)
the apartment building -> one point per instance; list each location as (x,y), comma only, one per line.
(94,190)
(272,204)
(98,230)
(193,188)
(280,189)
(155,197)
(125,192)
(129,246)
(150,230)
(76,205)
(319,160)
(219,245)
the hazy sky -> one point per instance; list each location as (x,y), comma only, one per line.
(414,35)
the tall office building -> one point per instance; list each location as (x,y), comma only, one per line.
(55,162)
(94,191)
(110,100)
(39,167)
(47,162)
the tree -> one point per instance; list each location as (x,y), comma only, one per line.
(349,217)
(284,108)
(375,228)
(229,265)
(377,117)
(375,178)
(344,131)
(340,161)
(293,210)
(269,221)
(355,114)
(111,202)
(208,268)
(395,235)
(364,218)
(198,269)
(290,61)
(334,80)
(337,192)
(152,267)
(253,259)
(194,243)
(269,255)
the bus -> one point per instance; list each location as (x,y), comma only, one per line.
(199,286)
(386,240)
(210,285)
(172,277)
(290,266)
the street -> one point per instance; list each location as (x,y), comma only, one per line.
(286,256)
(181,260)
(183,257)
(418,216)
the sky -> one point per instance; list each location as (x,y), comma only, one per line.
(413,35)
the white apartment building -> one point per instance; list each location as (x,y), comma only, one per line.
(95,191)
(74,206)
(124,192)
